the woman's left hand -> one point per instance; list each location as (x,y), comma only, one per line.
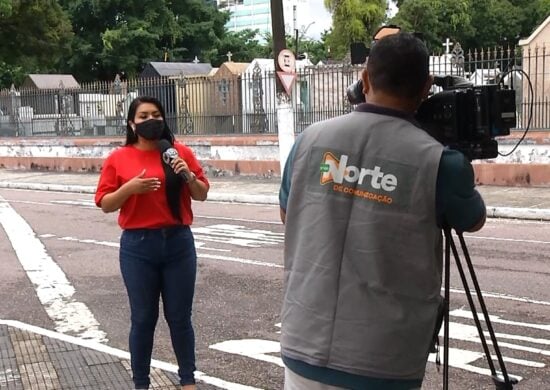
(197,188)
(179,165)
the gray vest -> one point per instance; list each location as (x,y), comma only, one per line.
(362,247)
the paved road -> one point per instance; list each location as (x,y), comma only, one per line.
(71,284)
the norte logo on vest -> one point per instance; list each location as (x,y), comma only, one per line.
(336,170)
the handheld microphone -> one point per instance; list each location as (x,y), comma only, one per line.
(169,154)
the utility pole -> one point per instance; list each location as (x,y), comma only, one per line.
(297,53)
(285,113)
(278,33)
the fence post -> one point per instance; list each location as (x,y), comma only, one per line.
(185,122)
(14,109)
(259,121)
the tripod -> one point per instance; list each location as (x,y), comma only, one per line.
(501,380)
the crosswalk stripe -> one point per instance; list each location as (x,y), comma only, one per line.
(53,289)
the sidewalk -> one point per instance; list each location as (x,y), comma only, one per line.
(33,358)
(502,202)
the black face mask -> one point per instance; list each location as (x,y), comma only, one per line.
(151,129)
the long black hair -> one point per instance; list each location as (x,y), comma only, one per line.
(131,137)
(173,181)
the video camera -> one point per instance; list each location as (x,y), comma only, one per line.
(462,116)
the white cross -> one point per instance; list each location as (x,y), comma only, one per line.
(229,55)
(447,45)
(196,60)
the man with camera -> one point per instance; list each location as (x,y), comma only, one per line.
(364,197)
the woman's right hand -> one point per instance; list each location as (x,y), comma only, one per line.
(137,185)
(140,184)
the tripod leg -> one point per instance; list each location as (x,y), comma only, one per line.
(446,310)
(496,378)
(472,307)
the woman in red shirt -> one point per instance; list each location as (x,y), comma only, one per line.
(157,250)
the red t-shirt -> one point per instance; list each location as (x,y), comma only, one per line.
(148,210)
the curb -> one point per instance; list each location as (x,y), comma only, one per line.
(518,213)
(213,196)
(492,211)
(243,198)
(48,187)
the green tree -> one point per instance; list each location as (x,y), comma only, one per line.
(475,24)
(5,8)
(494,22)
(536,12)
(353,21)
(35,38)
(112,36)
(10,74)
(315,49)
(267,48)
(243,45)
(201,29)
(436,19)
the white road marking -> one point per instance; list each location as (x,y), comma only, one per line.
(202,245)
(198,244)
(507,239)
(486,294)
(82,202)
(53,289)
(201,376)
(30,202)
(278,325)
(228,240)
(253,348)
(239,219)
(521,362)
(263,350)
(239,260)
(496,319)
(503,296)
(469,333)
(199,255)
(461,359)
(90,241)
(90,204)
(238,235)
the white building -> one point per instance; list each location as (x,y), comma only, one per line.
(310,17)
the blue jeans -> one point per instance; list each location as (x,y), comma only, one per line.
(157,262)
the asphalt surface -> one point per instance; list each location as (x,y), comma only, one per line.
(502,202)
(36,358)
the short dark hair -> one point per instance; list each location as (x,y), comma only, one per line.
(398,64)
(131,137)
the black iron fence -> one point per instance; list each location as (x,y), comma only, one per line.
(245,103)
